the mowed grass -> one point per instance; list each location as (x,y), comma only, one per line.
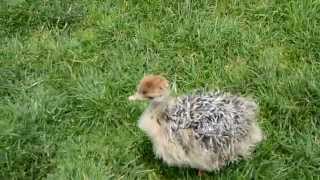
(67,68)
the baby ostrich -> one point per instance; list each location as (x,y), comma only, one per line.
(205,131)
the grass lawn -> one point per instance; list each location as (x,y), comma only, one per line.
(67,68)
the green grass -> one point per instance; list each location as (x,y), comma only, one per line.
(67,68)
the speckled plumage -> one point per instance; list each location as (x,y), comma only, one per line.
(217,120)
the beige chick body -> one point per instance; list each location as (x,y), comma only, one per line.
(183,140)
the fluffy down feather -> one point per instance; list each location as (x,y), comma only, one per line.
(217,120)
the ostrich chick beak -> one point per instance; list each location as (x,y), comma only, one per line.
(136,97)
